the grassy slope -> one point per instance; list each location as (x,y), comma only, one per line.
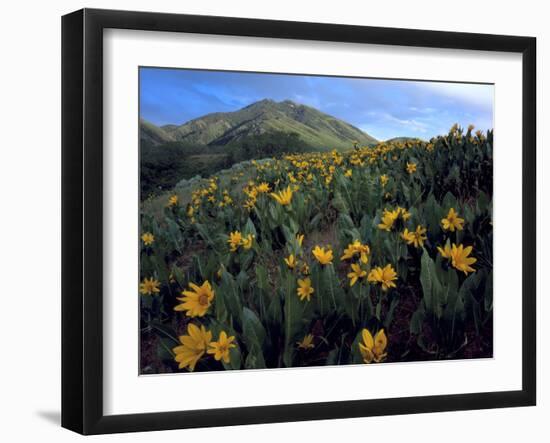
(153,134)
(314,127)
(402,139)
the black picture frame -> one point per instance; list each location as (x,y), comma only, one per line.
(82,218)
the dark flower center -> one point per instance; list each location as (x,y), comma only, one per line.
(203,299)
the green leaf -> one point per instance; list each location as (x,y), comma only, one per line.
(332,291)
(242,280)
(232,297)
(449,201)
(345,221)
(293,310)
(470,285)
(174,233)
(249,228)
(389,316)
(220,308)
(356,357)
(254,360)
(316,220)
(339,203)
(275,311)
(427,278)
(458,315)
(178,275)
(417,320)
(253,330)
(447,294)
(164,350)
(234,359)
(262,281)
(288,233)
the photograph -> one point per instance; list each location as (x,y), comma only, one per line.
(297,220)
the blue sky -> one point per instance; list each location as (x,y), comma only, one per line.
(382,108)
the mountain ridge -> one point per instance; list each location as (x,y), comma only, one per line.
(313,127)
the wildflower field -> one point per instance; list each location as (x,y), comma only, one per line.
(375,254)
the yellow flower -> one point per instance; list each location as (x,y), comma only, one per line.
(446,251)
(234,240)
(247,241)
(348,173)
(384,180)
(250,204)
(452,222)
(290,261)
(220,349)
(305,269)
(356,273)
(300,238)
(385,276)
(403,213)
(173,200)
(459,256)
(411,168)
(283,197)
(193,346)
(263,188)
(356,248)
(350,251)
(304,289)
(388,219)
(197,301)
(149,286)
(147,238)
(415,238)
(373,349)
(306,343)
(322,256)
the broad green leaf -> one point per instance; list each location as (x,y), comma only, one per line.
(253,330)
(427,278)
(249,228)
(232,297)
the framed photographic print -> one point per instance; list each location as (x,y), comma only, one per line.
(270,221)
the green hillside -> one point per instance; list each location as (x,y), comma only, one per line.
(314,128)
(153,135)
(403,140)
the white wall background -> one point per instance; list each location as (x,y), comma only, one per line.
(30,218)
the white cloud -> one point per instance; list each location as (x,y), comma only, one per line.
(473,94)
(426,110)
(410,124)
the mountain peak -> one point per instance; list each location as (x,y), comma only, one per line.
(262,102)
(270,102)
